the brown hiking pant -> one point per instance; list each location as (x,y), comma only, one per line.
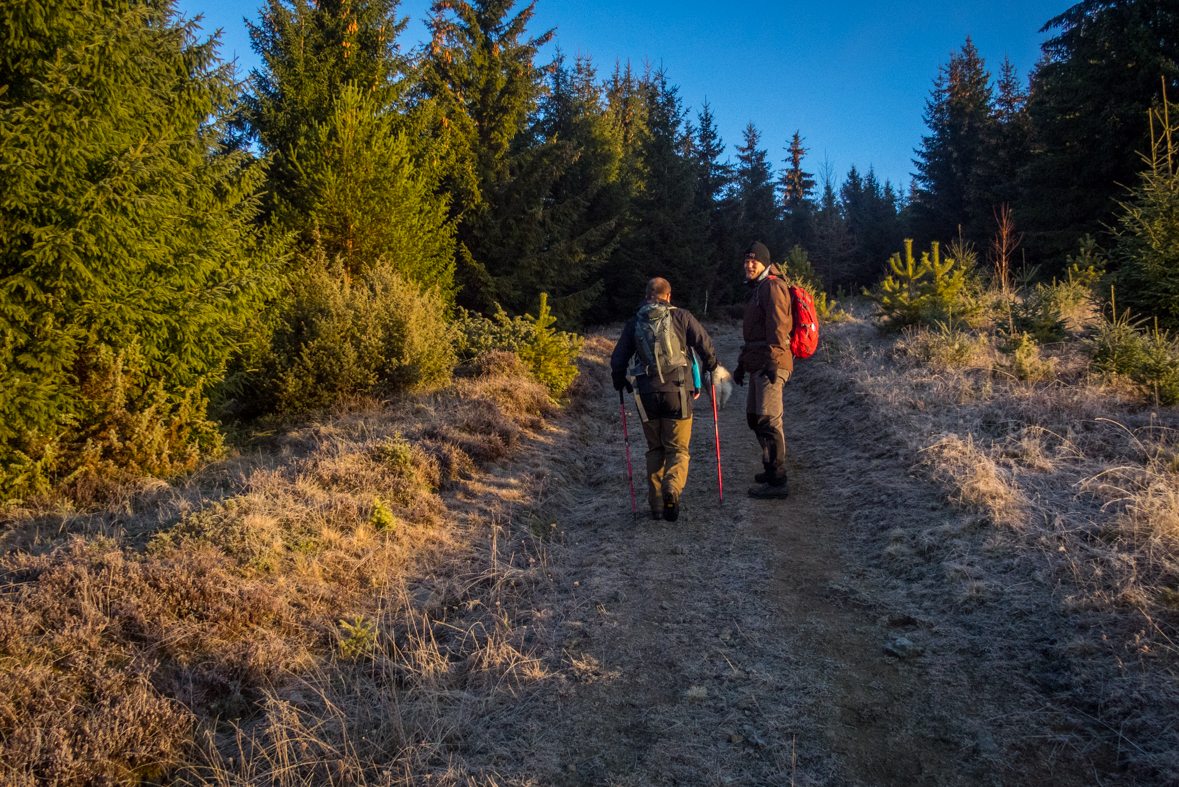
(667,458)
(763,411)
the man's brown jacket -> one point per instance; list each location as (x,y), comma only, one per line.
(768,321)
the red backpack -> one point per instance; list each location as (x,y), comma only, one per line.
(804,336)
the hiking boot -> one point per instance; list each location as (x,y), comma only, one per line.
(671,510)
(764,477)
(656,514)
(768,491)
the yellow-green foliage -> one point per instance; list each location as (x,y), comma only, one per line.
(337,336)
(552,355)
(920,292)
(130,426)
(549,355)
(382,518)
(357,637)
(1025,360)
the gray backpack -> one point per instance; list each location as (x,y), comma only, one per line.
(658,348)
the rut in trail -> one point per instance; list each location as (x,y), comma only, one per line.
(746,643)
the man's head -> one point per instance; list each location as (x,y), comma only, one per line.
(659,288)
(757,259)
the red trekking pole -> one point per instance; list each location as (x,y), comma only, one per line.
(720,482)
(626,438)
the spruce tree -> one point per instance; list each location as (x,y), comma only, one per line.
(311,50)
(127,246)
(1147,248)
(959,116)
(796,188)
(834,244)
(479,66)
(715,208)
(754,189)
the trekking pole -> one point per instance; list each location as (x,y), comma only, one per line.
(720,481)
(634,511)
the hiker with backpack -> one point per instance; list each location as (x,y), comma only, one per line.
(659,339)
(773,335)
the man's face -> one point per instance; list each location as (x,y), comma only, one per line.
(753,268)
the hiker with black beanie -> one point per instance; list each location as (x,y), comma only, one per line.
(660,338)
(767,358)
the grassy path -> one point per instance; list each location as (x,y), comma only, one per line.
(746,643)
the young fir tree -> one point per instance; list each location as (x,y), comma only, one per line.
(311,50)
(796,187)
(1147,248)
(127,245)
(959,116)
(1098,77)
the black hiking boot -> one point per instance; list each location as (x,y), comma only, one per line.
(770,491)
(656,514)
(765,476)
(671,510)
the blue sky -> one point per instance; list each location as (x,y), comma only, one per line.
(852,76)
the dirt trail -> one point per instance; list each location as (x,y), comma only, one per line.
(745,644)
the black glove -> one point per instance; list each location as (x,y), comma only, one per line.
(771,373)
(620,382)
(739,375)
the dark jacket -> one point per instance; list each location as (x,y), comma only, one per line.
(767,325)
(688,331)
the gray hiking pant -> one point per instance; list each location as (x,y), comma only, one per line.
(763,411)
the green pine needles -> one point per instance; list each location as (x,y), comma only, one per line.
(128,249)
(921,292)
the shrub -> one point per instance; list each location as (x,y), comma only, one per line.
(1117,347)
(337,336)
(945,345)
(1026,362)
(1036,313)
(549,355)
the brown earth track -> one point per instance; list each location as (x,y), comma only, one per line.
(745,643)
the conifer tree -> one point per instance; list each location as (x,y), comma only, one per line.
(479,67)
(1147,248)
(715,208)
(833,241)
(127,248)
(310,50)
(796,189)
(1098,77)
(754,189)
(959,116)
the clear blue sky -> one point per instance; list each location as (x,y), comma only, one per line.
(852,76)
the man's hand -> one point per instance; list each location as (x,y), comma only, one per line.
(620,382)
(771,373)
(739,375)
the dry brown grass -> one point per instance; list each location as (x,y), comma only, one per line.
(1080,475)
(307,612)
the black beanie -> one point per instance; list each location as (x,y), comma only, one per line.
(759,252)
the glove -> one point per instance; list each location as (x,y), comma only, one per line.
(620,382)
(739,375)
(771,373)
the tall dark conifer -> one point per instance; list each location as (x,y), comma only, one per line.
(715,207)
(479,66)
(796,188)
(1090,93)
(959,116)
(753,187)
